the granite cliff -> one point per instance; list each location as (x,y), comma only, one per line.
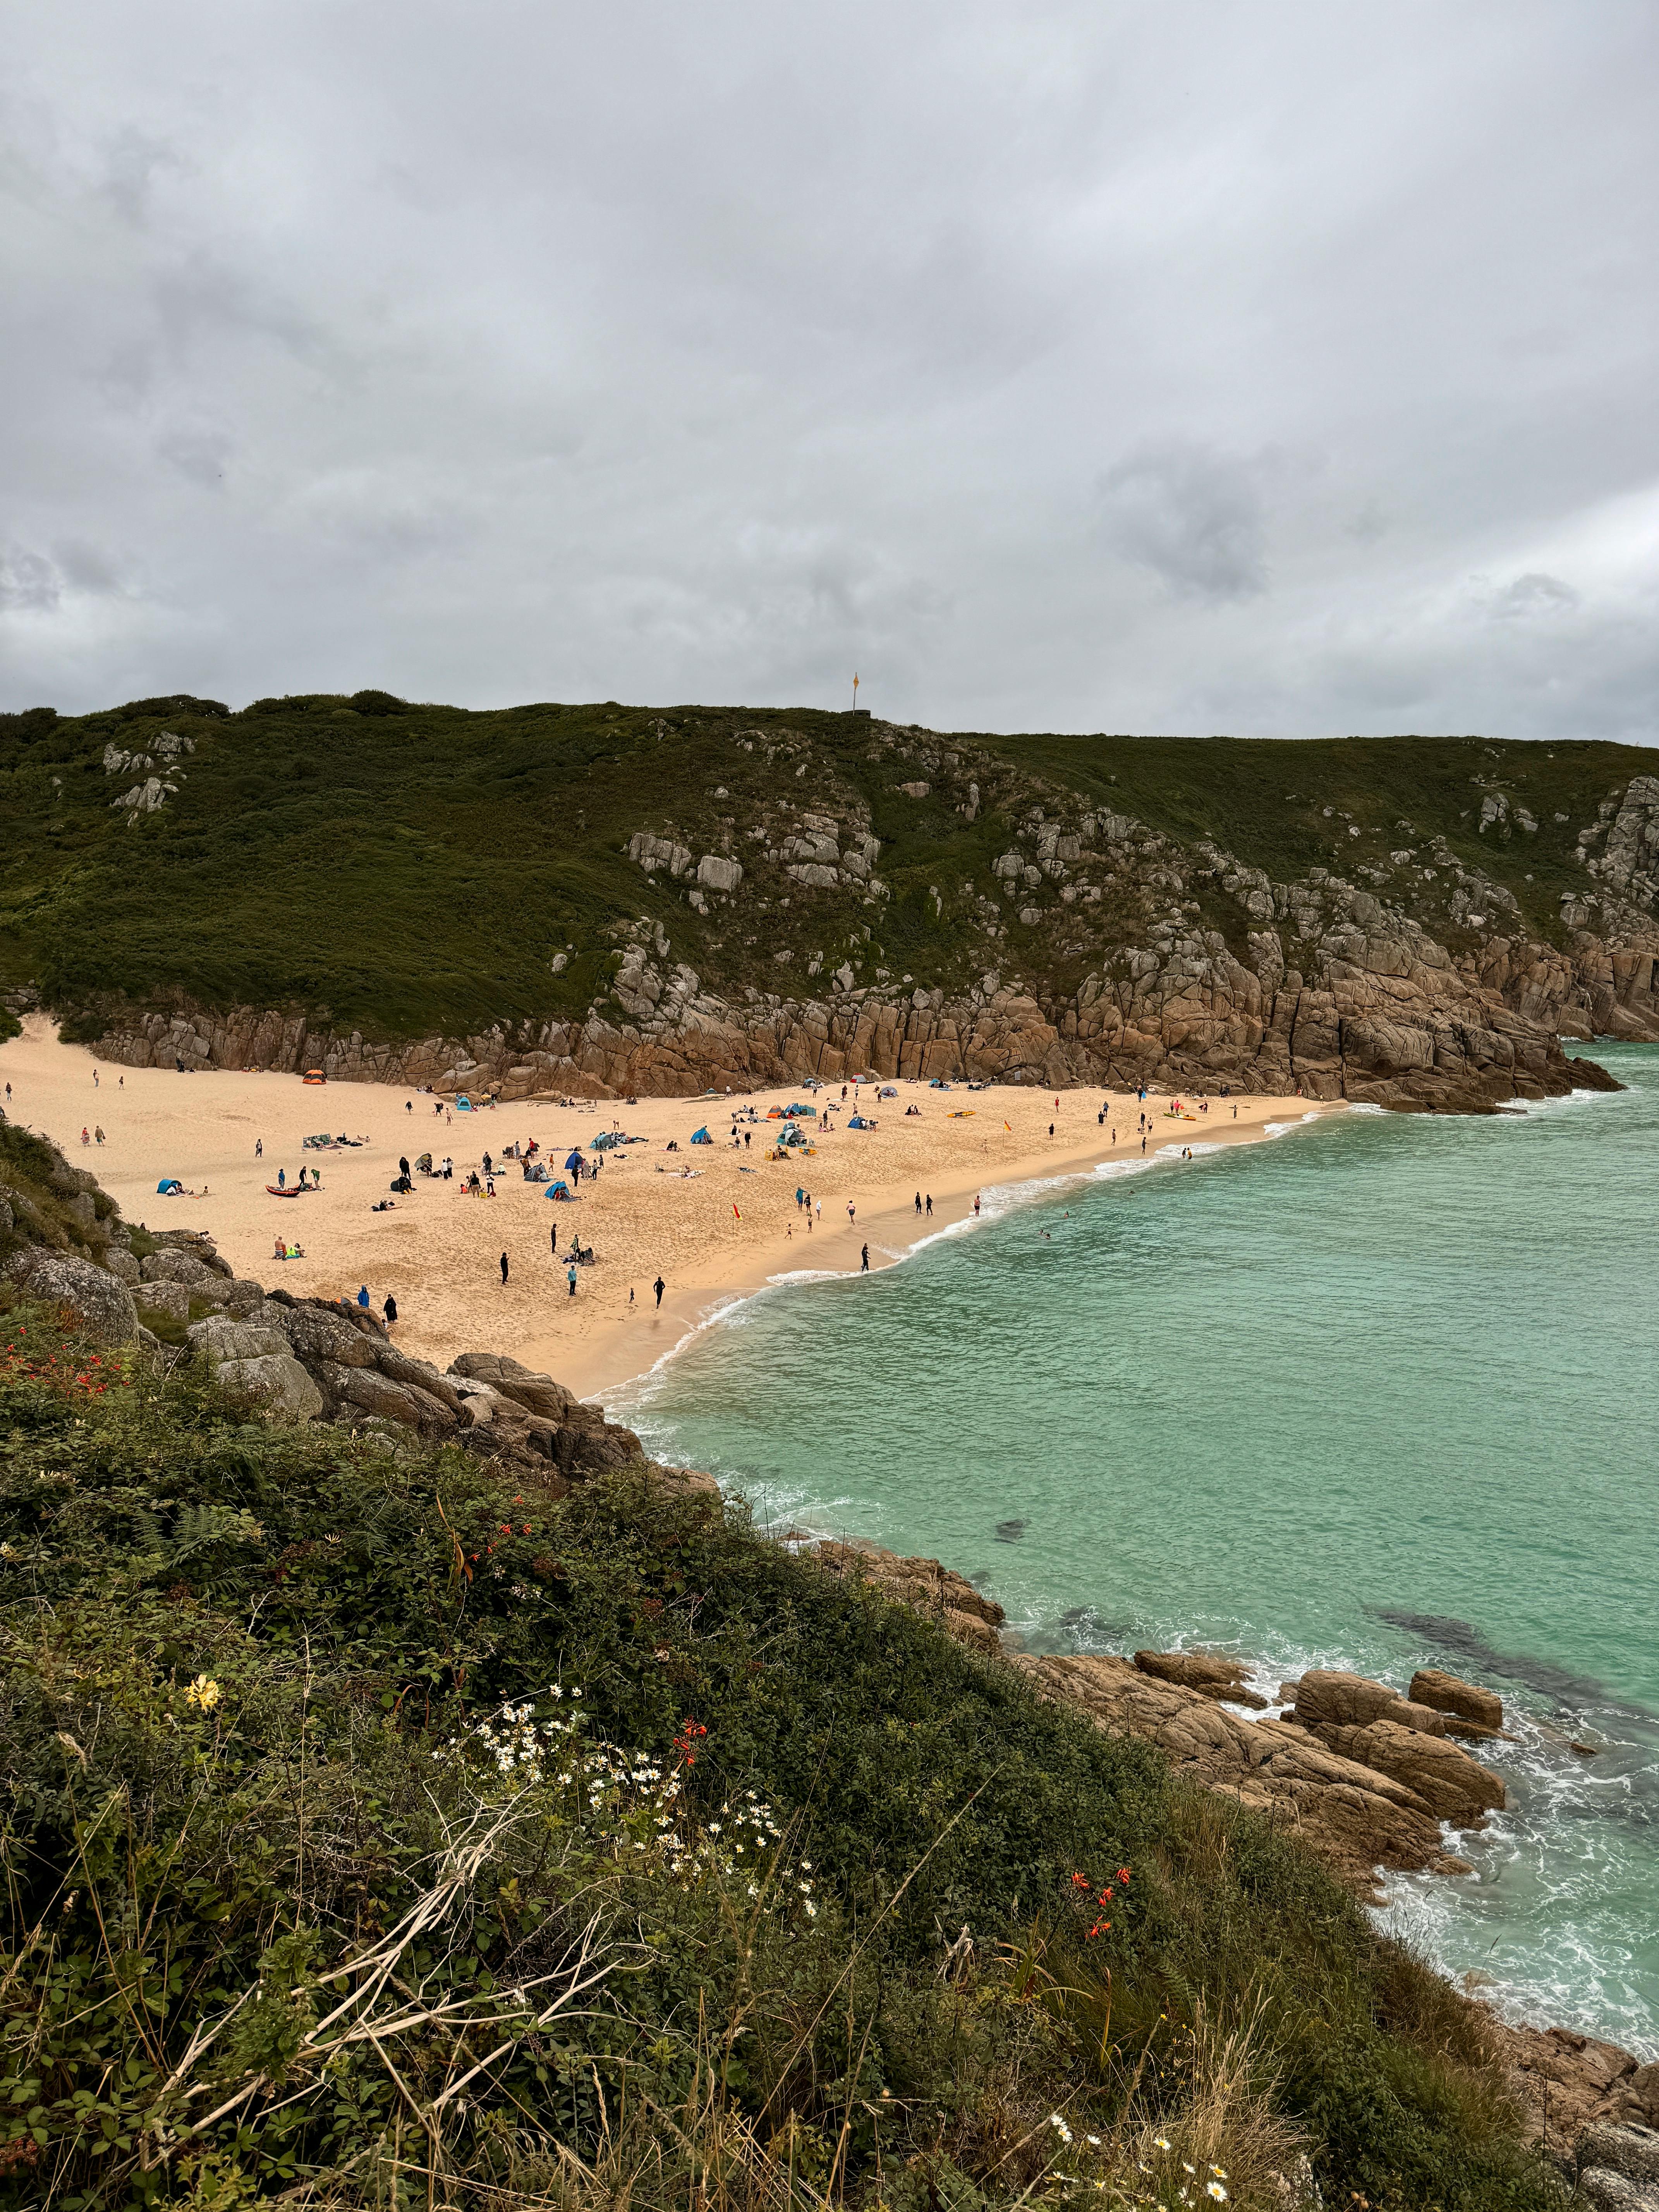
(605,901)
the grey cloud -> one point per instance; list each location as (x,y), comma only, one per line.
(1067,367)
(28,582)
(1532,595)
(1192,515)
(202,456)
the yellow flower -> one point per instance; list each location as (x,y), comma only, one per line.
(204,1693)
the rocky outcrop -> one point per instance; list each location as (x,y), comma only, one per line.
(101,1302)
(1353,1816)
(1466,1709)
(1226,1681)
(923,1585)
(1378,1023)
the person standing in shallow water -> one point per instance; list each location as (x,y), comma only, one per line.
(864,1260)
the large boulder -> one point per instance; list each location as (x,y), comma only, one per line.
(100,1301)
(1454,1786)
(275,1380)
(1354,1817)
(320,1332)
(118,1263)
(172,1265)
(1472,1712)
(537,1393)
(1618,2167)
(365,1390)
(1224,1679)
(1328,1697)
(219,1338)
(418,1375)
(172,1299)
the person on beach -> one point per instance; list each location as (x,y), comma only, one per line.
(279,1250)
(570,1278)
(976,1206)
(282,1178)
(402,1167)
(362,1298)
(1051,1128)
(555,1239)
(390,1309)
(918,1201)
(503,1271)
(95,1078)
(259,1148)
(86,1135)
(409,1105)
(864,1260)
(97,1136)
(929,1203)
(851,1213)
(660,1286)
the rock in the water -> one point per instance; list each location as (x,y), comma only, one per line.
(101,1302)
(1454,1786)
(1449,1694)
(277,1382)
(1353,1817)
(1222,1679)
(1327,1697)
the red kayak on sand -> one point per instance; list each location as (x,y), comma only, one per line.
(293,1193)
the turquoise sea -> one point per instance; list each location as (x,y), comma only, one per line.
(1380,1393)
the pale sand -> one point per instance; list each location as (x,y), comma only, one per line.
(438,1253)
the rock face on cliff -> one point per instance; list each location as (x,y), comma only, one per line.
(1094,947)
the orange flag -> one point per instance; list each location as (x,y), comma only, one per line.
(736,1216)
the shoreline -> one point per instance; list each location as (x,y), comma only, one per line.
(717,1224)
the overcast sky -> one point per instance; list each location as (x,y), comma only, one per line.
(1285,369)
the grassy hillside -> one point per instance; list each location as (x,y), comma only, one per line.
(763,1893)
(422,870)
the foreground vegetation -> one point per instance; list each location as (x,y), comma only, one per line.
(378,1832)
(411,870)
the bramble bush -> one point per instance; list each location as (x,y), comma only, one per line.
(377,1832)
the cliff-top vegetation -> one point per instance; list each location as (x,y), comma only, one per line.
(422,870)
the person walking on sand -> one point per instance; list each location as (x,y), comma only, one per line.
(503,1271)
(86,1135)
(259,1148)
(930,1205)
(555,1239)
(660,1286)
(918,1201)
(97,1135)
(390,1309)
(570,1278)
(851,1213)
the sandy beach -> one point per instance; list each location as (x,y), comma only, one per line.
(714,1221)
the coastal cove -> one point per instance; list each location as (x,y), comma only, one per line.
(1369,1396)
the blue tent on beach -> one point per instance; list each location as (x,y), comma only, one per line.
(574,1159)
(560,1189)
(701,1137)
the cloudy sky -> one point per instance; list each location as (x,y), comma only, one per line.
(1280,368)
